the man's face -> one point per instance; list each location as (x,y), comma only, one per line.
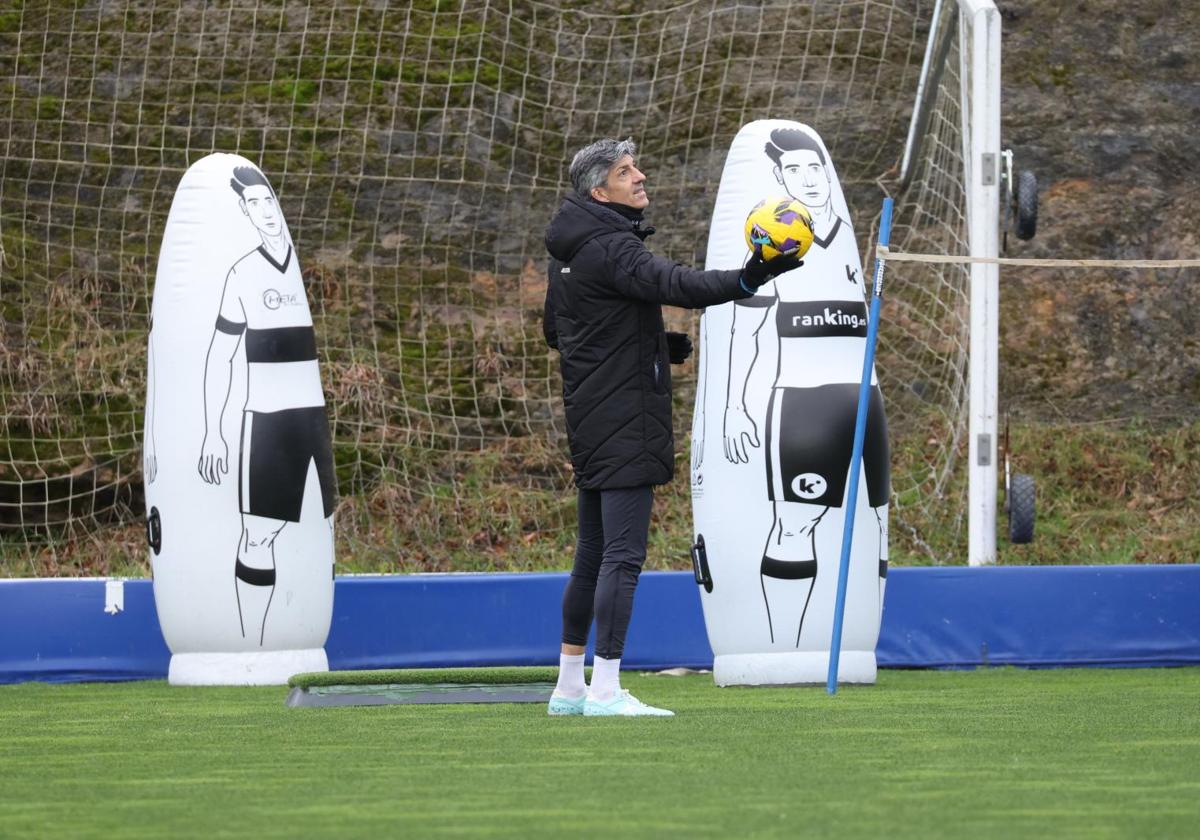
(804,177)
(625,185)
(258,202)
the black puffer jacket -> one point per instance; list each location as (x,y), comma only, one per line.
(603,314)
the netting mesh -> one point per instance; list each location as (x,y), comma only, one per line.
(418,152)
(923,347)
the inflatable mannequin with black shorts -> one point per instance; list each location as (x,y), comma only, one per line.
(773,432)
(239,482)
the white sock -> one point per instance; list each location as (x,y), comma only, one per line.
(570,676)
(606,678)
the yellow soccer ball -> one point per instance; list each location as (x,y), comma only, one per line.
(779,226)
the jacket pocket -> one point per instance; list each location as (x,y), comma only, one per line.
(662,365)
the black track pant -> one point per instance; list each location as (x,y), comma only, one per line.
(610,551)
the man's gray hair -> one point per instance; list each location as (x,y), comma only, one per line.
(589,167)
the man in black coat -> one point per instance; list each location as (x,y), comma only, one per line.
(603,314)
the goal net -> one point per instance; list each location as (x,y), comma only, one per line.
(418,151)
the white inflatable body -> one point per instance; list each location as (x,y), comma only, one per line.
(773,431)
(239,472)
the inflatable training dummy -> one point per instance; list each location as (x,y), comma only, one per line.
(239,467)
(773,431)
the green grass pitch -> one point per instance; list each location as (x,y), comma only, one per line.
(991,753)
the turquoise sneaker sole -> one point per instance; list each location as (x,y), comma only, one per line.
(559,706)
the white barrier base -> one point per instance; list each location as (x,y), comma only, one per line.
(272,667)
(792,668)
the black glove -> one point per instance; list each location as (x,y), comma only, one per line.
(679,347)
(758,271)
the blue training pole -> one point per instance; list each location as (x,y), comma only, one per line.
(860,433)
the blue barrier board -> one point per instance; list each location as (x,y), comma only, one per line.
(68,630)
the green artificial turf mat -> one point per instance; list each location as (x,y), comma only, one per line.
(428,676)
(422,686)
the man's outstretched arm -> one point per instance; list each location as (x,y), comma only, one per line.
(643,276)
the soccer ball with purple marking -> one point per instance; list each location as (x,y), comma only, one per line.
(779,226)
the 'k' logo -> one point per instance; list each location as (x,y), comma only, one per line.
(852,274)
(808,486)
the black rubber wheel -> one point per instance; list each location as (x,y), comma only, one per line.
(1027,205)
(1021,509)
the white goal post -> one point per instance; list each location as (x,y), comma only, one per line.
(980,31)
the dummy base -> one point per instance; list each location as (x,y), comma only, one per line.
(271,667)
(792,668)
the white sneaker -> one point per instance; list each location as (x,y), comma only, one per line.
(623,704)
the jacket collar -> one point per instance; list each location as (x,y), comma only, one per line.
(631,218)
(579,220)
